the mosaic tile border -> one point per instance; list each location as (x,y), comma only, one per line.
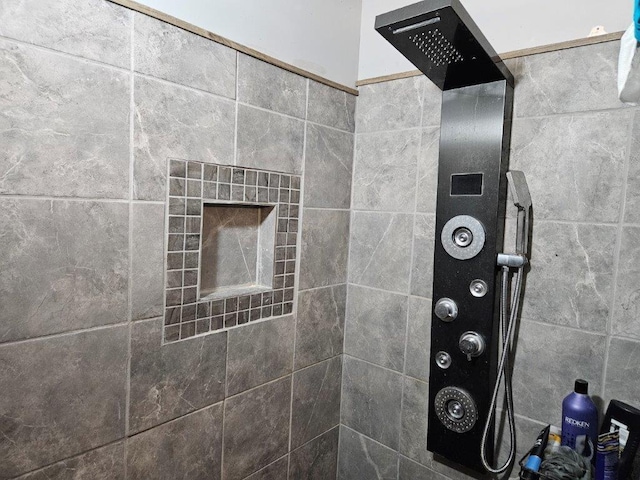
(192,184)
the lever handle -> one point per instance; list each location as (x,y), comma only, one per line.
(471,344)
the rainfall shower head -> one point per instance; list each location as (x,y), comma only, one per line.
(439,37)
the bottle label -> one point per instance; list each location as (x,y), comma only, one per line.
(623,431)
(576,423)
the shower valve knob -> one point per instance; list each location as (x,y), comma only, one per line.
(446,309)
(471,344)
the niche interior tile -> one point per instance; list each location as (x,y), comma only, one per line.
(94,29)
(64,266)
(172,121)
(328,168)
(422,264)
(385,171)
(418,338)
(428,170)
(410,470)
(361,457)
(571,277)
(256,428)
(269,141)
(325,248)
(106,463)
(627,301)
(189,447)
(65,123)
(267,86)
(623,371)
(320,325)
(259,353)
(164,51)
(316,460)
(61,396)
(376,326)
(330,106)
(632,203)
(391,105)
(543,88)
(170,380)
(316,400)
(587,162)
(415,413)
(371,401)
(278,470)
(380,253)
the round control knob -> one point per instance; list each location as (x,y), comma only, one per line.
(446,310)
(471,344)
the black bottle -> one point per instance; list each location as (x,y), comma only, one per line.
(626,419)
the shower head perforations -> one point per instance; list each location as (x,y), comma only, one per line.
(435,46)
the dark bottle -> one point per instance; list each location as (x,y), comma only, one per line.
(625,419)
(580,421)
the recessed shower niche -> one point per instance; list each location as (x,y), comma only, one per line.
(231,246)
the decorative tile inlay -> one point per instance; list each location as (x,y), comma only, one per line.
(192,186)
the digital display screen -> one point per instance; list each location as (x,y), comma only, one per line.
(466,184)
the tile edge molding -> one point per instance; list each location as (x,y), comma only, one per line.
(553,47)
(176,22)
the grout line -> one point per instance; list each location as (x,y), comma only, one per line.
(65,333)
(404,294)
(312,289)
(184,87)
(568,327)
(581,113)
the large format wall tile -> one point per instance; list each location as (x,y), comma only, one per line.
(586,159)
(65,125)
(93,29)
(64,265)
(316,460)
(385,171)
(422,265)
(330,106)
(259,353)
(428,170)
(189,448)
(316,400)
(627,301)
(170,380)
(267,86)
(410,470)
(320,325)
(278,470)
(376,326)
(632,203)
(380,253)
(269,141)
(325,248)
(256,428)
(371,401)
(173,54)
(328,168)
(61,396)
(172,121)
(415,413)
(623,371)
(418,338)
(361,457)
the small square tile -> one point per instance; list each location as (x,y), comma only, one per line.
(292,238)
(174,260)
(283,210)
(282,225)
(231,305)
(177,168)
(217,308)
(194,188)
(295,182)
(288,295)
(256,300)
(287,308)
(289,280)
(237,193)
(284,195)
(194,170)
(191,260)
(189,295)
(202,326)
(176,187)
(172,333)
(224,174)
(243,317)
(294,211)
(278,282)
(176,224)
(209,190)
(281,253)
(285,181)
(267,298)
(274,180)
(194,207)
(266,311)
(230,320)
(224,191)
(203,310)
(255,314)
(290,266)
(173,297)
(176,206)
(176,242)
(277,310)
(293,225)
(190,278)
(280,268)
(278,296)
(281,239)
(174,279)
(244,302)
(187,330)
(172,315)
(273,195)
(188,312)
(263,179)
(291,253)
(210,173)
(251,177)
(192,242)
(250,194)
(217,323)
(193,224)
(295,197)
(238,176)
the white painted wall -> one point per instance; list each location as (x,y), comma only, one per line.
(507,24)
(320,36)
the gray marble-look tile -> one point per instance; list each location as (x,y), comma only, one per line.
(267,86)
(393,105)
(410,470)
(428,170)
(92,29)
(106,463)
(586,159)
(330,106)
(316,460)
(586,81)
(627,302)
(61,396)
(632,203)
(361,457)
(170,380)
(376,326)
(422,264)
(147,260)
(65,124)
(189,447)
(320,325)
(278,470)
(325,248)
(256,428)
(259,353)
(548,360)
(371,399)
(328,168)
(385,171)
(431,105)
(623,372)
(269,141)
(164,51)
(571,277)
(316,400)
(380,252)
(64,266)
(415,413)
(173,121)
(418,338)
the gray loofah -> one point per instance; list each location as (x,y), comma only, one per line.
(566,464)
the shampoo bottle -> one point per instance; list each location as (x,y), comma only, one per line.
(580,421)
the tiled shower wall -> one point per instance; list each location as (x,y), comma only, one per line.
(94,98)
(579,147)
